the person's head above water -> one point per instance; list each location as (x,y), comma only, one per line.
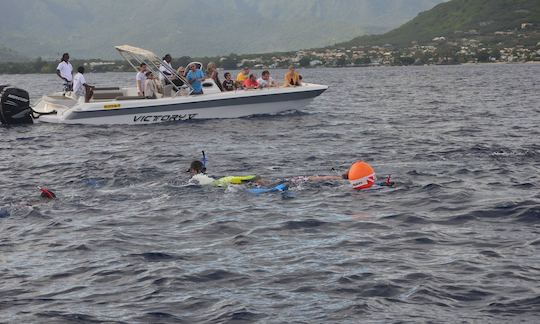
(197,167)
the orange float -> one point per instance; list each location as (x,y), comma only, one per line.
(361,175)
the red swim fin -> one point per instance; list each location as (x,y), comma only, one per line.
(46,193)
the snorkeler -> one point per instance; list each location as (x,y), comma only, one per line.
(360,176)
(197,169)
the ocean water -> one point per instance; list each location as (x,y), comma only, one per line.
(127,241)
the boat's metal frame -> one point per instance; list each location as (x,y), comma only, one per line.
(153,62)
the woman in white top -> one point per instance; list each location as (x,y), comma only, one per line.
(64,70)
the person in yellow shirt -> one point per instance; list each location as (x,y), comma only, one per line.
(242,76)
(292,78)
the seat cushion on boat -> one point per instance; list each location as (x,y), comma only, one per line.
(107,95)
(130,97)
(106,88)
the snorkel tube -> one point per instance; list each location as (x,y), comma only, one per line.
(204,160)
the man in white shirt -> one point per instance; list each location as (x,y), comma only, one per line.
(140,78)
(266,81)
(80,87)
(165,69)
(64,71)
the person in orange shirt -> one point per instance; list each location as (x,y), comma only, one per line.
(251,82)
(292,78)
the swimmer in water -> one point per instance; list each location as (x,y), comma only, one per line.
(360,175)
(199,177)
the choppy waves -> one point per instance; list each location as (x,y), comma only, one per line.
(127,241)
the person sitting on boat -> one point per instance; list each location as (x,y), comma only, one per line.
(181,71)
(251,82)
(151,86)
(212,73)
(292,78)
(266,81)
(228,83)
(64,70)
(242,76)
(165,68)
(195,77)
(80,87)
(140,79)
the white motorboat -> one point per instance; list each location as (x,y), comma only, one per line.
(123,106)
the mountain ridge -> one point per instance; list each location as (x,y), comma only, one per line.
(456,18)
(47,28)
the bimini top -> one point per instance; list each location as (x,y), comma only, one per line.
(135,56)
(128,49)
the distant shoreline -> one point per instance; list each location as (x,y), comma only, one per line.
(312,68)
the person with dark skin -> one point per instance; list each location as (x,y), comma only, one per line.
(80,87)
(64,71)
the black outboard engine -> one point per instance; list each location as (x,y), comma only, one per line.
(14,106)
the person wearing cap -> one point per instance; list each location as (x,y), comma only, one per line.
(292,78)
(195,77)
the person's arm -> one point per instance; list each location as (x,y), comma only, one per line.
(202,76)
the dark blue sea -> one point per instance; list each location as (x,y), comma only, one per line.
(457,240)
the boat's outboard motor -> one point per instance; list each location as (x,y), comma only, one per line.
(14,106)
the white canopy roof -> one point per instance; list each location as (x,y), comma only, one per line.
(136,51)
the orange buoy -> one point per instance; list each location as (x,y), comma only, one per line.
(361,175)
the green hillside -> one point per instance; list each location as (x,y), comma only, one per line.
(457,18)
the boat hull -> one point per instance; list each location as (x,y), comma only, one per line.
(148,111)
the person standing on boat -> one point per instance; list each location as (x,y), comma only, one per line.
(140,79)
(195,77)
(165,69)
(65,72)
(80,87)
